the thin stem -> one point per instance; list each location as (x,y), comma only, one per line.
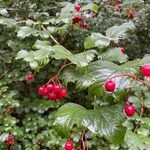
(142,107)
(94,103)
(141,113)
(64,37)
(56,76)
(130,76)
(51,36)
(62,69)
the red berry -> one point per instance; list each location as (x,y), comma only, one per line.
(77,7)
(50,87)
(122,49)
(131,14)
(129,110)
(84,25)
(69,145)
(146,70)
(30,77)
(64,92)
(76,19)
(57,88)
(110,86)
(10,140)
(9,110)
(42,91)
(52,96)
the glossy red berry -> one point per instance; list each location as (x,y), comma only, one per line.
(110,86)
(76,19)
(146,70)
(52,96)
(84,25)
(122,49)
(57,88)
(69,145)
(10,140)
(42,91)
(50,87)
(129,110)
(77,7)
(30,77)
(64,93)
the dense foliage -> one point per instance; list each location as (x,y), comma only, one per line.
(90,54)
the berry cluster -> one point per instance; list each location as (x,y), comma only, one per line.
(52,91)
(10,140)
(110,86)
(79,19)
(69,145)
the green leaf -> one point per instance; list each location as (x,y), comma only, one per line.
(100,71)
(104,121)
(89,43)
(70,75)
(136,141)
(96,40)
(146,59)
(3,137)
(60,52)
(22,54)
(33,64)
(43,45)
(24,32)
(117,32)
(10,23)
(115,55)
(3,12)
(68,116)
(82,59)
(91,6)
(66,14)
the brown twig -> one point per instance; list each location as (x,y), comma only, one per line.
(51,36)
(130,76)
(141,113)
(55,78)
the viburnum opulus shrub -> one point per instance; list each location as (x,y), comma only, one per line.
(74,75)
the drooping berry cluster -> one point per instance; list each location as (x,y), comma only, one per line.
(52,92)
(69,145)
(10,140)
(78,19)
